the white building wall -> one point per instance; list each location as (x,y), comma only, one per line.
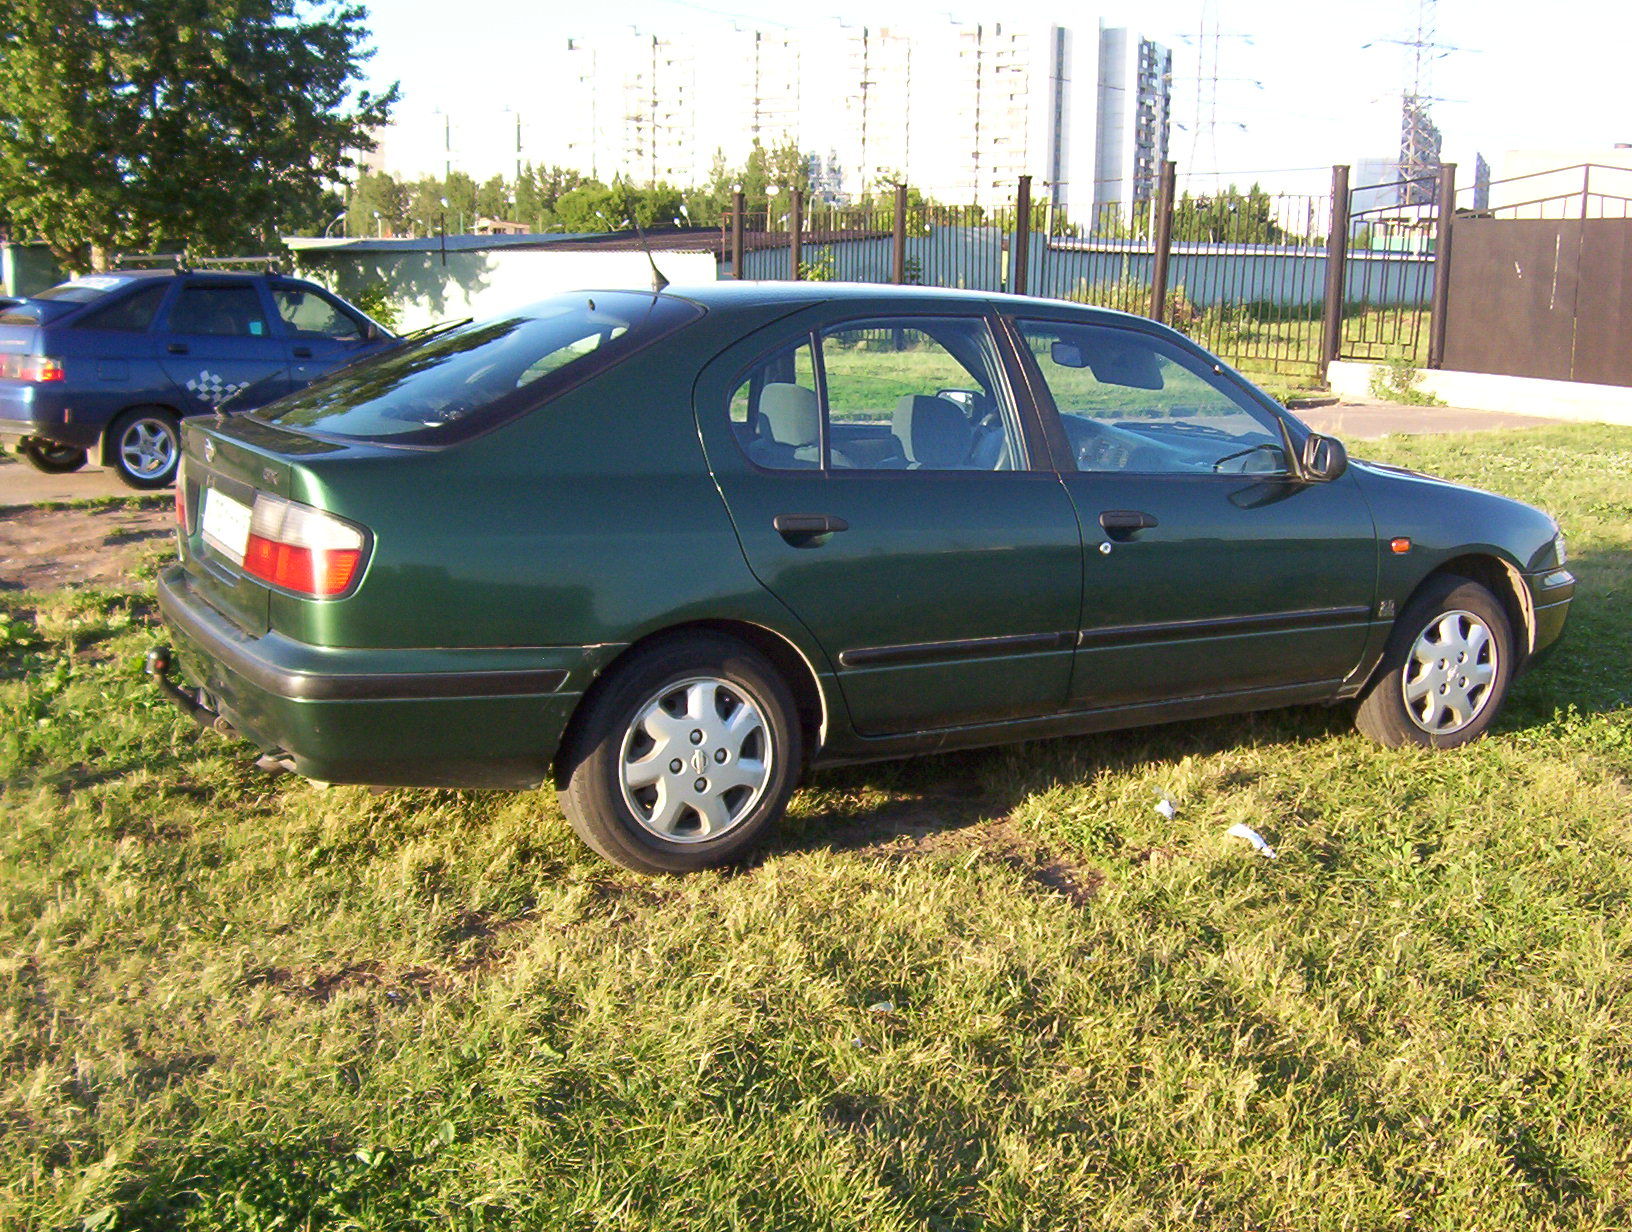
(1554,182)
(1133,119)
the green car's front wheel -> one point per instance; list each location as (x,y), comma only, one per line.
(1446,670)
(684,755)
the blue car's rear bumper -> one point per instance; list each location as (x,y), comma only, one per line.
(27,409)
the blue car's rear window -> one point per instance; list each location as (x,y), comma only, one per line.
(453,384)
(83,290)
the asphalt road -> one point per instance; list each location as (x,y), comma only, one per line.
(21,484)
(1365,421)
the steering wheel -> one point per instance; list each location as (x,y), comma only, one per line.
(1096,446)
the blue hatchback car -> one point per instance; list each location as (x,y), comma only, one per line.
(113,362)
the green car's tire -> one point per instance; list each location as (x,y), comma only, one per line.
(1445,672)
(52,458)
(682,756)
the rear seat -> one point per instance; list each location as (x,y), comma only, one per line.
(790,420)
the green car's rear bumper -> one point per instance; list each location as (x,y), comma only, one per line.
(417,717)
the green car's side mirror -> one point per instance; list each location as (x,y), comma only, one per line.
(1324,458)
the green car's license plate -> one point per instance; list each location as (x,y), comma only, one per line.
(225,524)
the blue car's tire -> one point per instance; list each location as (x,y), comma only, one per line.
(144,447)
(52,458)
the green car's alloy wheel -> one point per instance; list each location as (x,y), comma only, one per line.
(1446,670)
(146,447)
(683,755)
(52,458)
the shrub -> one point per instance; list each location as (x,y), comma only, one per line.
(1398,380)
(1132,295)
(375,299)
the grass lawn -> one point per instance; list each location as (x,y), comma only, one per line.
(993,990)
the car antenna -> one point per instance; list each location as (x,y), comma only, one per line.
(658,281)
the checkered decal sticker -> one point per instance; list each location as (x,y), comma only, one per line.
(210,387)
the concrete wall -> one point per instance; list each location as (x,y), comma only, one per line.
(1480,391)
(26,268)
(428,288)
(972,257)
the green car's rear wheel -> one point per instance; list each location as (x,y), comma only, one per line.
(683,756)
(1446,671)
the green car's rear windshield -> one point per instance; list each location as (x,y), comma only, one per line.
(451,384)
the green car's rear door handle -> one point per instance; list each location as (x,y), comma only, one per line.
(797,527)
(1126,520)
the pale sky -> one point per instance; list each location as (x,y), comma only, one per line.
(1299,89)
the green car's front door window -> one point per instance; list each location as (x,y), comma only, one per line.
(1134,402)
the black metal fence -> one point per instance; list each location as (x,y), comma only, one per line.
(1273,282)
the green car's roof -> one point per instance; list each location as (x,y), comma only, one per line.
(728,293)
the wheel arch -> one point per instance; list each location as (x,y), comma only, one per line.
(104,446)
(1503,579)
(784,656)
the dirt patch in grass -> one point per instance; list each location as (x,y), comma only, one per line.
(321,984)
(994,838)
(483,933)
(50,549)
(1002,840)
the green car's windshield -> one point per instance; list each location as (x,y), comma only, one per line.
(463,380)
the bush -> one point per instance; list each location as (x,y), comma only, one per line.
(1132,295)
(1397,380)
(375,300)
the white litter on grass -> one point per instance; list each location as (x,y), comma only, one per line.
(1167,808)
(1242,830)
(882,1007)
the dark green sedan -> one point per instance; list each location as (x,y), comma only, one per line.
(669,551)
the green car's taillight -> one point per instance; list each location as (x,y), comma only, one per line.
(302,549)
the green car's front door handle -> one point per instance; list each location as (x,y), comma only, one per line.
(800,528)
(1121,523)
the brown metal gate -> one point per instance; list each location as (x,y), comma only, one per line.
(1541,297)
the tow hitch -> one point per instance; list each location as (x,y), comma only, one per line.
(194,703)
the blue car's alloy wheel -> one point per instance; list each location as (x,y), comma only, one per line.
(146,447)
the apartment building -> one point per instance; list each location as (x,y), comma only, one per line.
(960,109)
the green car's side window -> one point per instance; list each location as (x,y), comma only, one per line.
(890,393)
(1131,401)
(917,393)
(775,412)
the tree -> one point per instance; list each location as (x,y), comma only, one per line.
(598,207)
(144,124)
(540,188)
(493,199)
(1230,216)
(783,167)
(378,203)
